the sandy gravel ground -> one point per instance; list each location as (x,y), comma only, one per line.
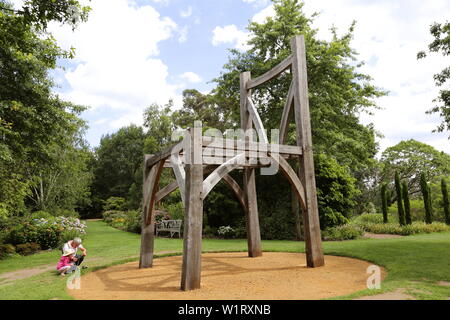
(229,276)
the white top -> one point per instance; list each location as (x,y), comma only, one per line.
(68,246)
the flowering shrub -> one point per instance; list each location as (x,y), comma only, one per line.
(225,232)
(46,232)
(344,232)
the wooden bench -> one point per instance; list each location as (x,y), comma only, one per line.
(172,226)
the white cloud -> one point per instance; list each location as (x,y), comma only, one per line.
(191,77)
(261,16)
(183,32)
(230,34)
(116,64)
(388,35)
(186,13)
(257,2)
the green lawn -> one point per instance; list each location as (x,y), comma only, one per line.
(415,262)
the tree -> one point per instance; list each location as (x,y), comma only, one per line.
(32,117)
(336,191)
(65,183)
(203,107)
(338,91)
(159,125)
(426,198)
(441,44)
(400,209)
(384,205)
(119,156)
(410,158)
(405,196)
(445,202)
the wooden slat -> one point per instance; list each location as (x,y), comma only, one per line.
(178,170)
(269,75)
(286,115)
(238,192)
(292,177)
(314,251)
(151,179)
(171,187)
(220,172)
(251,146)
(161,155)
(257,121)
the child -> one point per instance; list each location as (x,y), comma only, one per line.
(65,264)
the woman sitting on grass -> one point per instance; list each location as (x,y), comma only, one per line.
(66,263)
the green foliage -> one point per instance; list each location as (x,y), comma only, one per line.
(441,44)
(338,91)
(26,249)
(40,215)
(46,236)
(410,158)
(400,209)
(108,215)
(6,250)
(344,232)
(202,107)
(414,228)
(61,212)
(226,232)
(40,132)
(406,202)
(133,221)
(114,203)
(130,221)
(384,205)
(176,210)
(119,159)
(367,218)
(336,191)
(445,201)
(374,223)
(426,198)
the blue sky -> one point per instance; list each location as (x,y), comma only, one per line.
(132,53)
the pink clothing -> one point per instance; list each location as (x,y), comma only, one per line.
(65,261)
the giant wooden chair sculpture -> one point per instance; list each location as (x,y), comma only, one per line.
(189,161)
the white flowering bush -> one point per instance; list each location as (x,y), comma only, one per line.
(225,232)
(65,223)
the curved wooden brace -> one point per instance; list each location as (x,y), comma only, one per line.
(171,187)
(220,172)
(286,112)
(238,192)
(151,182)
(290,174)
(272,73)
(257,120)
(234,186)
(178,170)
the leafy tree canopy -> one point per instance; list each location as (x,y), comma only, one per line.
(338,92)
(441,44)
(410,158)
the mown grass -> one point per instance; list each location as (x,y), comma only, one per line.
(416,263)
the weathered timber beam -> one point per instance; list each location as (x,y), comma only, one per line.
(287,110)
(257,121)
(218,174)
(151,161)
(269,75)
(233,144)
